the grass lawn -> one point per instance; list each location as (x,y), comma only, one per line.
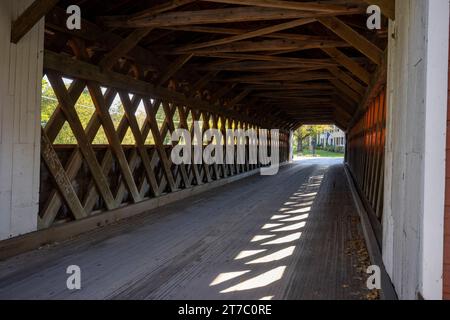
(322,154)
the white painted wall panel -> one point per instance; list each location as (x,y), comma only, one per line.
(415,158)
(20,90)
(435,150)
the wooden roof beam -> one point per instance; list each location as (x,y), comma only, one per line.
(283,94)
(106,40)
(268,45)
(303,6)
(317,119)
(348,63)
(28,19)
(299,86)
(345,110)
(202,82)
(339,122)
(147,13)
(173,68)
(348,80)
(260,67)
(305,104)
(236,31)
(212,16)
(161,8)
(346,102)
(124,47)
(295,77)
(344,89)
(222,92)
(260,57)
(239,98)
(137,35)
(248,35)
(352,37)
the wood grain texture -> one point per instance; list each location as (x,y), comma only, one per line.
(184,252)
(28,19)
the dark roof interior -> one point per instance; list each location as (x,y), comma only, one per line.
(303,62)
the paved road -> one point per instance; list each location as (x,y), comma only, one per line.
(295,235)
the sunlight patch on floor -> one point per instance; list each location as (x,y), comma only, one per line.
(287,239)
(302,210)
(262,237)
(271,226)
(248,253)
(284,229)
(279,255)
(298,218)
(280,216)
(223,277)
(293,227)
(262,280)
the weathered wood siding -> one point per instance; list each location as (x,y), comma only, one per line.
(365,153)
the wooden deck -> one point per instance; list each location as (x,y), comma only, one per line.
(291,236)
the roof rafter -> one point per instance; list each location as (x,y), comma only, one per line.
(28,19)
(249,35)
(215,16)
(358,41)
(304,6)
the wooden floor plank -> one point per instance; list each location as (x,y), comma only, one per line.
(247,240)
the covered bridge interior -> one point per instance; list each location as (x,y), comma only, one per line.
(85,142)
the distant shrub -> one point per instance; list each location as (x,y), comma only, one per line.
(335,149)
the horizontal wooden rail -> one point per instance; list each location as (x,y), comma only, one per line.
(70,67)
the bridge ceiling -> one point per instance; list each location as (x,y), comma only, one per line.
(288,62)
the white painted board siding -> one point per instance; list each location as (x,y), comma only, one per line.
(415,148)
(20,91)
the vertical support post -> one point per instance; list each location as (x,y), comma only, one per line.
(436,102)
(413,218)
(291,146)
(20,93)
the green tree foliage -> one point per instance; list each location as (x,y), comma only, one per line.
(304,132)
(307,131)
(48,102)
(85,109)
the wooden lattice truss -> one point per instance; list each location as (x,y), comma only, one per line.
(143,171)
